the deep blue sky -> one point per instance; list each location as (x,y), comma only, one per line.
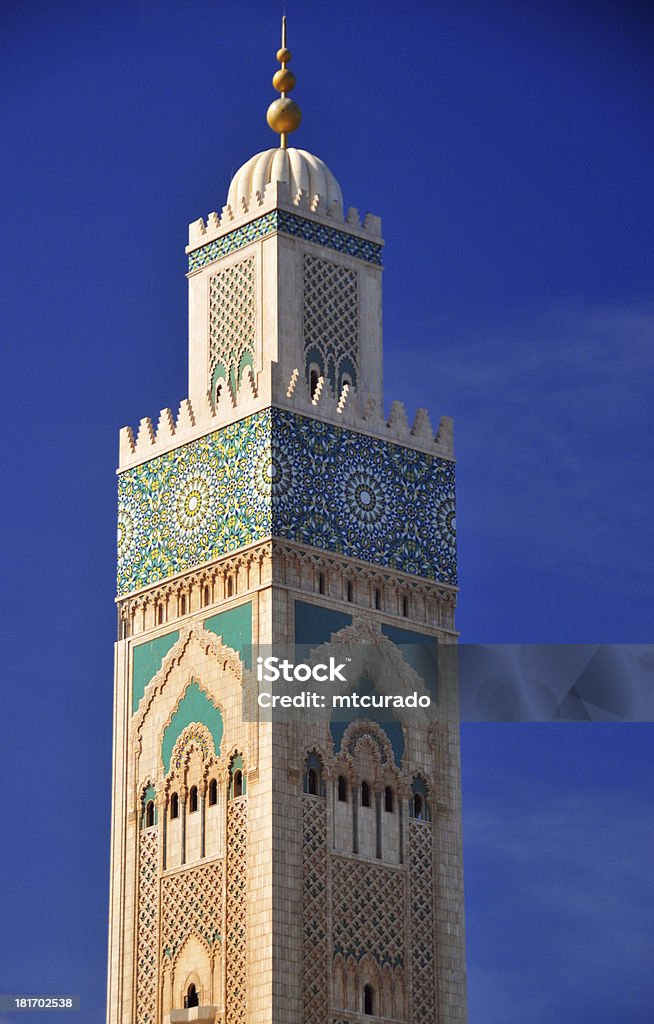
(508,148)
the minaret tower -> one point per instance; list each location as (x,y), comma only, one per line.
(292,871)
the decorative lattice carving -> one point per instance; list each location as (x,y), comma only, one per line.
(195,736)
(236,933)
(331,320)
(422,922)
(232,323)
(192,904)
(147,942)
(368,911)
(314,910)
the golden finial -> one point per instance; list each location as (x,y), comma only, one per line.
(284,115)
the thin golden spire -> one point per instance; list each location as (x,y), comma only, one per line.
(283,114)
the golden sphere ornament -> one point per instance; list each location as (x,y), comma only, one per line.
(284,115)
(283,80)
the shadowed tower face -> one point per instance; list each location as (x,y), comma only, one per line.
(301,870)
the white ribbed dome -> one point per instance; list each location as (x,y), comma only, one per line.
(300,169)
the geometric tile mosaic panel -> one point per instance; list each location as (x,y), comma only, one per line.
(279,474)
(289,224)
(193,504)
(314,911)
(368,912)
(330,320)
(363,497)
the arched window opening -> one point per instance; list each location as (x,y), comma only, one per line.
(206,596)
(160,614)
(174,806)
(377,598)
(350,591)
(149,814)
(321,583)
(365,794)
(193,799)
(191,998)
(237,778)
(315,377)
(182,605)
(419,805)
(342,789)
(368,1000)
(388,800)
(313,776)
(405,606)
(213,793)
(230,586)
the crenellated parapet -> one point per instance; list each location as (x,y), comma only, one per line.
(154,438)
(307,216)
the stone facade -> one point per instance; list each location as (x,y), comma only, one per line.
(295,871)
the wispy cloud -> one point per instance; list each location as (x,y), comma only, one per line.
(578,890)
(554,415)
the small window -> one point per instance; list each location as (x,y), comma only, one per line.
(418,806)
(342,789)
(230,587)
(313,775)
(182,605)
(193,799)
(350,591)
(321,583)
(191,997)
(365,794)
(315,377)
(206,596)
(388,800)
(368,1000)
(405,606)
(149,814)
(237,778)
(377,598)
(174,806)
(213,793)
(160,614)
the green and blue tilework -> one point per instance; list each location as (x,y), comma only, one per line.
(289,224)
(195,706)
(195,503)
(147,659)
(362,497)
(235,628)
(277,474)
